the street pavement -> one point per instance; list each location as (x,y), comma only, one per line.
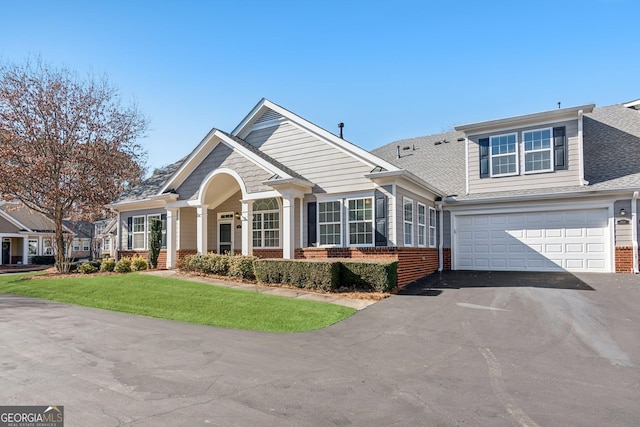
(463,349)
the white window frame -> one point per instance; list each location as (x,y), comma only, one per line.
(339,223)
(75,245)
(433,221)
(422,225)
(88,245)
(29,243)
(492,156)
(47,247)
(106,244)
(262,229)
(134,233)
(371,222)
(407,242)
(525,152)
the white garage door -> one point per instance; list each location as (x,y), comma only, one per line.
(535,241)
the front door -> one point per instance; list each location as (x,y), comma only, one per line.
(6,251)
(225,244)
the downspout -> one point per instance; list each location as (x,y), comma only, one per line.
(634,229)
(440,243)
(117,240)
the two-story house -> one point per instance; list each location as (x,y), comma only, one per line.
(551,191)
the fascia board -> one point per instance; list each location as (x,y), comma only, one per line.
(527,119)
(343,145)
(404,174)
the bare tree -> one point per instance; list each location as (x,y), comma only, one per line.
(67,146)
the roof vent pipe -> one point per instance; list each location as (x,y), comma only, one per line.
(340,126)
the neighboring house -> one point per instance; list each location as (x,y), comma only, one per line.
(551,191)
(280,186)
(105,233)
(539,192)
(24,234)
(82,243)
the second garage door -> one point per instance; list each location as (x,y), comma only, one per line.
(533,241)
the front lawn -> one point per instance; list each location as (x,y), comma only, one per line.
(181,300)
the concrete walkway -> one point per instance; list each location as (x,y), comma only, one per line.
(358,304)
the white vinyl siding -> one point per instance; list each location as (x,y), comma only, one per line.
(538,150)
(331,169)
(330,223)
(407,215)
(524,181)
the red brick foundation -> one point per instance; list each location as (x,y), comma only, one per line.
(624,259)
(413,263)
(446,258)
(267,253)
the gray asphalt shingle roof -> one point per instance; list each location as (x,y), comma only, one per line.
(436,159)
(152,185)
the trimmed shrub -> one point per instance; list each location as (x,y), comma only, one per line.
(242,267)
(43,260)
(369,276)
(138,263)
(123,265)
(73,267)
(323,275)
(108,265)
(87,268)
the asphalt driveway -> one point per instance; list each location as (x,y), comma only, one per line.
(474,349)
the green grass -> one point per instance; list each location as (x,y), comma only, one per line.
(182,300)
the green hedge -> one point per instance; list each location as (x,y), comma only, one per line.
(323,274)
(43,260)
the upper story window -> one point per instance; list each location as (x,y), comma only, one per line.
(540,150)
(329,221)
(504,154)
(360,214)
(537,150)
(266,223)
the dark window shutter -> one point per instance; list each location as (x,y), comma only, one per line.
(381,220)
(484,157)
(312,227)
(129,233)
(163,218)
(559,148)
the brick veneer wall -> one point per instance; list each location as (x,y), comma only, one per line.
(624,259)
(413,263)
(446,258)
(267,253)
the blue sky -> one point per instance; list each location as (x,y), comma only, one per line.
(388,69)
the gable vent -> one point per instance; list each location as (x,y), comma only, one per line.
(268,116)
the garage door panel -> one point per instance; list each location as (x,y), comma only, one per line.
(534,241)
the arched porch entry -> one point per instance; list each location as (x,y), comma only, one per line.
(221,225)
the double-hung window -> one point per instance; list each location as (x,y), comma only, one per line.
(266,223)
(85,245)
(76,245)
(360,221)
(504,157)
(107,243)
(408,221)
(138,231)
(432,227)
(329,222)
(538,150)
(47,248)
(33,246)
(422,224)
(157,217)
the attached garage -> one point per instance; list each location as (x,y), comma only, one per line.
(567,240)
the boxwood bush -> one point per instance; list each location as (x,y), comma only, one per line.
(237,266)
(108,265)
(317,274)
(369,276)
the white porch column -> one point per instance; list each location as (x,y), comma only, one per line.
(202,233)
(172,215)
(25,250)
(247,246)
(288,224)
